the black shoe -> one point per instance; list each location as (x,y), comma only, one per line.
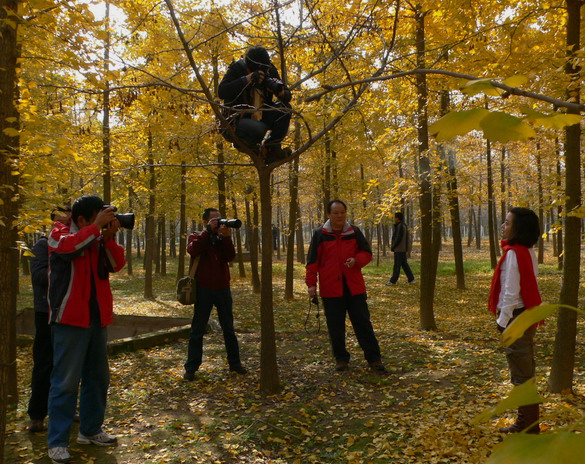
(189,376)
(341,366)
(239,369)
(36,425)
(377,366)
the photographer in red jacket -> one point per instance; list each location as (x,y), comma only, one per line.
(81,256)
(337,254)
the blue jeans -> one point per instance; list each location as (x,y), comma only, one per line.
(400,261)
(42,367)
(78,353)
(206,298)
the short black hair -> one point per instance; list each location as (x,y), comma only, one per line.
(332,202)
(207,212)
(525,227)
(86,206)
(399,215)
(256,58)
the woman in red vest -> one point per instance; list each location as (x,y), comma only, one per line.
(514,290)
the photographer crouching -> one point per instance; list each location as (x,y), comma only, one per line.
(214,249)
(247,90)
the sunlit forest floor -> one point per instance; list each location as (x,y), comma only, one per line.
(419,412)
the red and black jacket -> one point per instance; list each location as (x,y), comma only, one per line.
(327,256)
(73,264)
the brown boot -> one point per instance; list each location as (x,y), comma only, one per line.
(527,419)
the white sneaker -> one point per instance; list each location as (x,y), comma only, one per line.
(412,281)
(101,439)
(59,454)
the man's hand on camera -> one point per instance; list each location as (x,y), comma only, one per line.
(213,225)
(256,77)
(104,217)
(224,231)
(110,230)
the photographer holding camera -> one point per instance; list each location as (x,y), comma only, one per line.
(247,90)
(215,250)
(81,255)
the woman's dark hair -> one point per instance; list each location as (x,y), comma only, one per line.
(332,202)
(86,206)
(207,212)
(525,227)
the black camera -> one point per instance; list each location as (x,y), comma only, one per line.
(126,220)
(233,223)
(274,85)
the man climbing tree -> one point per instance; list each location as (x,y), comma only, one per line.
(247,89)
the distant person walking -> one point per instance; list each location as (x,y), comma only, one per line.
(400,245)
(515,289)
(337,254)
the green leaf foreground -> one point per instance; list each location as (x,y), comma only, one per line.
(521,395)
(522,448)
(497,126)
(530,317)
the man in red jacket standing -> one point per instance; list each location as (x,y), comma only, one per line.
(215,249)
(337,254)
(81,256)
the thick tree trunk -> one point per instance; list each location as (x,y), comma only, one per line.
(563,364)
(427,275)
(182,224)
(269,378)
(150,240)
(9,153)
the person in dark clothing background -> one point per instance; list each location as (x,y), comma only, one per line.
(247,90)
(42,348)
(215,249)
(400,246)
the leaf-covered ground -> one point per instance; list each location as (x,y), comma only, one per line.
(418,413)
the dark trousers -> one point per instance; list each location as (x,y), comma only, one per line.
(400,261)
(42,367)
(359,315)
(206,299)
(275,119)
(520,354)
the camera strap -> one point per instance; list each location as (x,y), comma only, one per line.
(313,301)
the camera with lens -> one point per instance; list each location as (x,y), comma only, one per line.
(126,220)
(274,85)
(233,223)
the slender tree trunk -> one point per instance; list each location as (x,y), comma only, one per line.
(540,203)
(427,275)
(269,378)
(241,267)
(292,220)
(561,376)
(560,207)
(129,268)
(106,137)
(158,246)
(173,238)
(163,245)
(254,246)
(9,207)
(150,243)
(182,223)
(301,257)
(491,223)
(455,219)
